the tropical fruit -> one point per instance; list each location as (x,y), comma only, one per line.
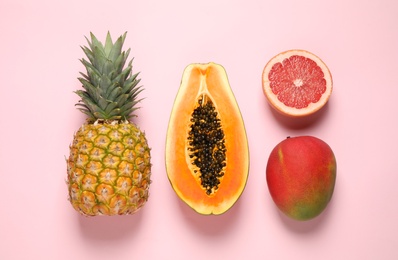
(108,169)
(301,175)
(207,155)
(297,83)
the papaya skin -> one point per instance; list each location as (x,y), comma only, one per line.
(207,82)
(301,176)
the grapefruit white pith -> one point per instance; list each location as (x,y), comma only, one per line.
(297,83)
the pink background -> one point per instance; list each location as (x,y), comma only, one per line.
(39,67)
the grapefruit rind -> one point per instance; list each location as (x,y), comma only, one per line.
(280,106)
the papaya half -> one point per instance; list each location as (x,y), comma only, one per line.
(207,154)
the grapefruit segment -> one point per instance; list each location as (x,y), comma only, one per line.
(297,83)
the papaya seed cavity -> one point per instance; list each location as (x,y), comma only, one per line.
(207,145)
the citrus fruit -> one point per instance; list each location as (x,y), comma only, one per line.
(297,83)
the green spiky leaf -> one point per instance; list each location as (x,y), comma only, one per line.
(110,88)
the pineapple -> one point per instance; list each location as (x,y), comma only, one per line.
(108,170)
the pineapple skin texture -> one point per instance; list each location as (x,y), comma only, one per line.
(109,169)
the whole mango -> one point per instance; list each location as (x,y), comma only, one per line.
(301,175)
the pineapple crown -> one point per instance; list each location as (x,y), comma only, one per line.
(110,89)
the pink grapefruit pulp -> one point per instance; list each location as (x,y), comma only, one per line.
(297,83)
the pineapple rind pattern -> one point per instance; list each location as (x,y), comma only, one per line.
(108,169)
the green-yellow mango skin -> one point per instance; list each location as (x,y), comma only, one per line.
(301,175)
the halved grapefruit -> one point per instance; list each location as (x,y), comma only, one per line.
(297,83)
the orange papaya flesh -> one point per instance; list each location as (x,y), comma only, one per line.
(207,156)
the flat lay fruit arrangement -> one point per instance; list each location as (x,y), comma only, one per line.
(206,153)
(301,171)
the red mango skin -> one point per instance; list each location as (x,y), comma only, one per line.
(301,175)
